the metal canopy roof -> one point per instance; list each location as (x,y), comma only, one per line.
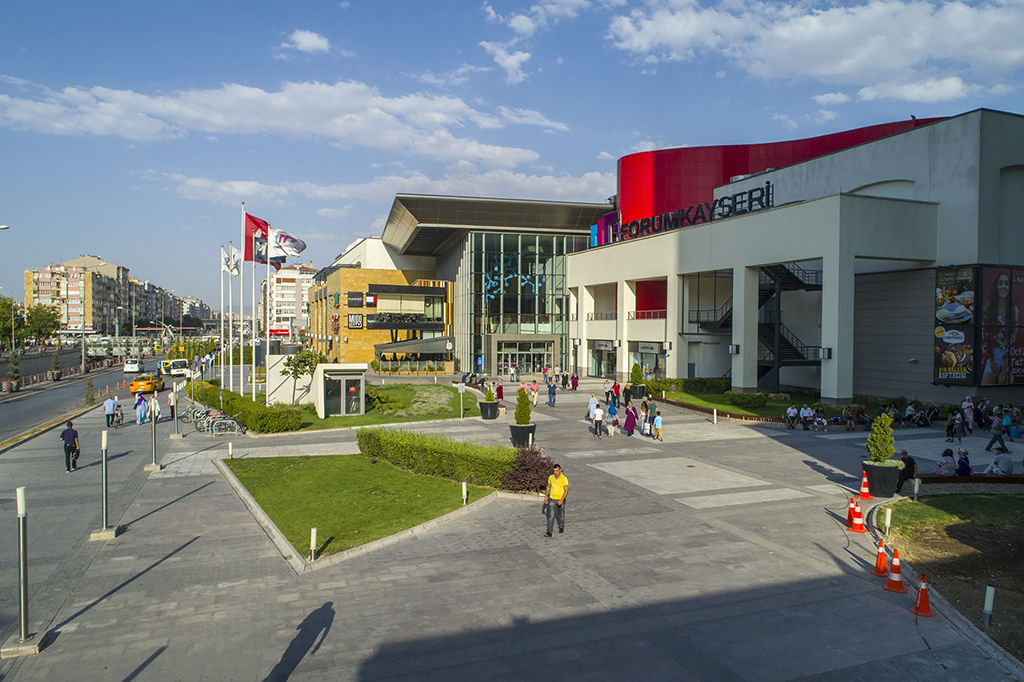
(419,224)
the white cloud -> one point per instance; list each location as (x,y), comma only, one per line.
(457,76)
(543,167)
(347,53)
(592,186)
(605,156)
(512,62)
(823,115)
(531,118)
(786,121)
(522,24)
(346,113)
(829,98)
(878,41)
(306,41)
(345,4)
(490,14)
(720,74)
(334,213)
(644,146)
(928,91)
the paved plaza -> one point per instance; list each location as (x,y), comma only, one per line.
(716,555)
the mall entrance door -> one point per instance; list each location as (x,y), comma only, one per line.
(531,357)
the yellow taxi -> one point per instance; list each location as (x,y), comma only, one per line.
(147,383)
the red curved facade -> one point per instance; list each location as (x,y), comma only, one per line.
(659,181)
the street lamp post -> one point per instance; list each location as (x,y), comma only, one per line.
(117,329)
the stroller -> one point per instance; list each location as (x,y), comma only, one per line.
(925,417)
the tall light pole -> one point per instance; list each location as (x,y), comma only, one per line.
(133,320)
(117,329)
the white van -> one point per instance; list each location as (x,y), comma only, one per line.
(133,366)
(181,368)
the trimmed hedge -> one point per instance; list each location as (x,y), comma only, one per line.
(746,399)
(438,455)
(254,416)
(695,385)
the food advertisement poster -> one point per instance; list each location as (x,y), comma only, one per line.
(954,340)
(1002,348)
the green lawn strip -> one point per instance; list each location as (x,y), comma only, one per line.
(349,500)
(773,408)
(909,517)
(412,411)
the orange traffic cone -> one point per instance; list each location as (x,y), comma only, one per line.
(865,494)
(108,389)
(921,607)
(849,514)
(858,521)
(881,561)
(895,582)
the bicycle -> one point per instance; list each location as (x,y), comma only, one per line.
(118,416)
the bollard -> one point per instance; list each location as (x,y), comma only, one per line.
(917,487)
(231,451)
(465,493)
(714,416)
(662,394)
(104,520)
(990,597)
(153,466)
(24,635)
(312,544)
(888,519)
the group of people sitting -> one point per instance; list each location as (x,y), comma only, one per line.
(1002,465)
(959,421)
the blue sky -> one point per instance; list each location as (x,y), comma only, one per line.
(133,130)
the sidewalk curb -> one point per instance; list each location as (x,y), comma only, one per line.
(960,623)
(40,430)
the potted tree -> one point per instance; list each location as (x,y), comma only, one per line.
(55,373)
(636,381)
(489,406)
(523,431)
(13,373)
(882,470)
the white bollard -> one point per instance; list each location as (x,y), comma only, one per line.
(312,543)
(888,519)
(714,416)
(663,394)
(990,597)
(917,488)
(231,451)
(465,493)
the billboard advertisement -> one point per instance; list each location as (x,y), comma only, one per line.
(955,313)
(1002,345)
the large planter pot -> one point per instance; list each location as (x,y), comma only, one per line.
(523,434)
(489,410)
(881,480)
(637,390)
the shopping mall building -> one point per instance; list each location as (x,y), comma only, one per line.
(873,261)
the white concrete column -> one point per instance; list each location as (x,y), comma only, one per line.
(586,307)
(675,319)
(626,296)
(837,327)
(744,328)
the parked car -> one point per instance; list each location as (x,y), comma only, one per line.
(181,368)
(133,366)
(147,383)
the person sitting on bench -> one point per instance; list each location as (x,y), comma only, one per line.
(1002,465)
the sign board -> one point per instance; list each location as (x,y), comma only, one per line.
(355,321)
(1001,353)
(954,334)
(448,345)
(371,300)
(355,299)
(648,347)
(601,345)
(462,388)
(279,332)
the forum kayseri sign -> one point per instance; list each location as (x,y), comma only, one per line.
(740,203)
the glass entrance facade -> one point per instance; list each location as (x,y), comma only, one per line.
(529,357)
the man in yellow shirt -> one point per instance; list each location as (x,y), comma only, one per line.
(557,491)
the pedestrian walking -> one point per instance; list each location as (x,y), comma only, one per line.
(598,421)
(607,392)
(154,409)
(657,427)
(109,410)
(591,406)
(613,420)
(140,409)
(627,395)
(557,491)
(70,439)
(551,393)
(565,381)
(575,381)
(652,411)
(499,390)
(616,389)
(997,435)
(630,424)
(534,391)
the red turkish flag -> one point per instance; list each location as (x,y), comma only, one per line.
(254,228)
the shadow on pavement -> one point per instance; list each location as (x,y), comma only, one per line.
(317,623)
(165,505)
(145,664)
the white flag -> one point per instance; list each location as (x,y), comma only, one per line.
(284,244)
(235,265)
(225,261)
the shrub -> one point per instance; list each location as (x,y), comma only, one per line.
(382,402)
(881,446)
(438,455)
(746,399)
(13,371)
(55,365)
(489,398)
(90,392)
(530,473)
(636,375)
(254,416)
(779,397)
(523,410)
(375,365)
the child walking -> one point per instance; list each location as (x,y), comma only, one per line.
(657,426)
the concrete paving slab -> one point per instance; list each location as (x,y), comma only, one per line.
(671,475)
(748,497)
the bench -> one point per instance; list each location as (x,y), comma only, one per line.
(976,478)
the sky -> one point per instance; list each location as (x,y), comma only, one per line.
(133,131)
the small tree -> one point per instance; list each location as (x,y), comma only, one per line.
(55,365)
(881,445)
(489,396)
(299,365)
(90,392)
(523,409)
(636,375)
(13,370)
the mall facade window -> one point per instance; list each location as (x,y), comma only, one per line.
(650,355)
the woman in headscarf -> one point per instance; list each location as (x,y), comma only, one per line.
(575,381)
(140,409)
(630,425)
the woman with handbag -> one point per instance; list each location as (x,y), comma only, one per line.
(613,420)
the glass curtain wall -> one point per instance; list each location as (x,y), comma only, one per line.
(518,287)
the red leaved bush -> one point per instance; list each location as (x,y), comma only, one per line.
(530,474)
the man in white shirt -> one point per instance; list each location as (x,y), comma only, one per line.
(806,416)
(791,415)
(109,410)
(598,420)
(1002,465)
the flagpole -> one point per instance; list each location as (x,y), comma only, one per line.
(266,312)
(253,325)
(231,318)
(241,306)
(220,269)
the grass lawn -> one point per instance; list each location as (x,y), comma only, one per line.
(420,402)
(773,408)
(911,518)
(348,500)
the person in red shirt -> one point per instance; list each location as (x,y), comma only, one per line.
(616,390)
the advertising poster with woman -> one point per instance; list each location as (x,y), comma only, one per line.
(954,326)
(1001,359)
